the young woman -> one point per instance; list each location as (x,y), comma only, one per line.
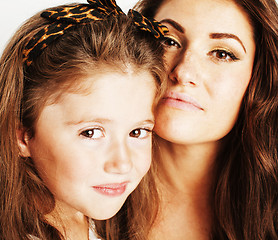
(217,156)
(78,84)
(217,159)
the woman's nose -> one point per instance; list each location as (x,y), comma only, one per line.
(185,70)
(120,161)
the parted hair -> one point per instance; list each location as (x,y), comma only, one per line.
(114,42)
(245,195)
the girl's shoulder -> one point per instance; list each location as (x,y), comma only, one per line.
(92,236)
(92,233)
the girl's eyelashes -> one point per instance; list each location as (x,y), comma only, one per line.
(93,133)
(97,133)
(170,41)
(140,133)
(223,55)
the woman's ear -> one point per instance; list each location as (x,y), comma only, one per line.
(23,141)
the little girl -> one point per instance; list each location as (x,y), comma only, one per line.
(77,91)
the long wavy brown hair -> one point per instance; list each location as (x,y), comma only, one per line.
(117,42)
(246,184)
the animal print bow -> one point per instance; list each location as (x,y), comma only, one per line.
(149,25)
(65,18)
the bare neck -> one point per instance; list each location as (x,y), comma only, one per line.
(187,168)
(185,179)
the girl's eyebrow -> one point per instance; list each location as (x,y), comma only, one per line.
(89,120)
(227,35)
(174,24)
(149,121)
(103,120)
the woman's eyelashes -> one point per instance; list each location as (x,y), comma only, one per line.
(170,41)
(220,54)
(93,133)
(223,55)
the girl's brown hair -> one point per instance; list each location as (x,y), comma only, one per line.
(115,42)
(246,184)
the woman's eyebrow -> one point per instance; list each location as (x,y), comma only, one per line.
(227,35)
(174,24)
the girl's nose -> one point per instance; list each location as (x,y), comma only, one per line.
(120,160)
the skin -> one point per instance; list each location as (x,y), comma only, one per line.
(209,53)
(97,138)
(200,66)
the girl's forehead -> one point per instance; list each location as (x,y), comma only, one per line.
(117,97)
(94,78)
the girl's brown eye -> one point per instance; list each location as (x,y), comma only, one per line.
(140,133)
(93,133)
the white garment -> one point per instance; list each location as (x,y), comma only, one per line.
(92,233)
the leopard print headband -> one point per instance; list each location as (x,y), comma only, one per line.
(65,18)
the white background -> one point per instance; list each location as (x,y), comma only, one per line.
(14,12)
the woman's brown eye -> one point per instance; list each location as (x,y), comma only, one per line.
(170,42)
(221,54)
(224,55)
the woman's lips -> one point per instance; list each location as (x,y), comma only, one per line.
(181,101)
(111,189)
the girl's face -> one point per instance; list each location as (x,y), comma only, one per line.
(93,149)
(209,53)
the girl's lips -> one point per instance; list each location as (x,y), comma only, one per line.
(181,101)
(111,189)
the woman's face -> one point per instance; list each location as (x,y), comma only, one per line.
(209,53)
